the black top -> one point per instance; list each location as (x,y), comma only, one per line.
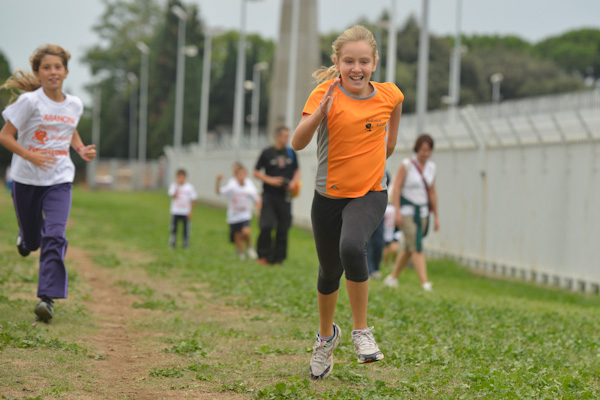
(277,163)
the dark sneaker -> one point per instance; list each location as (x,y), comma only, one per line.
(44,310)
(321,362)
(22,250)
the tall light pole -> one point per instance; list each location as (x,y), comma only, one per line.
(292,66)
(422,73)
(92,168)
(390,68)
(178,129)
(143,125)
(456,58)
(206,60)
(240,72)
(453,97)
(258,68)
(133,80)
(496,79)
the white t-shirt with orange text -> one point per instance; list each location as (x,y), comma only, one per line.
(43,124)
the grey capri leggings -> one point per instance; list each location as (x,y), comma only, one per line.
(342,228)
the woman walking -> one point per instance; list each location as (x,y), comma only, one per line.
(414,197)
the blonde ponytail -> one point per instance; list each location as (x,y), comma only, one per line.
(19,83)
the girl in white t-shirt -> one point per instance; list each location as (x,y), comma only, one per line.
(241,195)
(414,196)
(39,128)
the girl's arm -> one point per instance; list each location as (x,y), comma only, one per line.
(87,153)
(310,122)
(292,184)
(393,124)
(434,206)
(38,158)
(218,185)
(258,205)
(396,191)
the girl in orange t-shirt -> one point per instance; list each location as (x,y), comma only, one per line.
(350,114)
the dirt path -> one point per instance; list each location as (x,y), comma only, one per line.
(129,356)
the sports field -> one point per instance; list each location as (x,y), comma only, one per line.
(146,322)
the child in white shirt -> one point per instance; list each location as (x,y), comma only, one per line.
(241,194)
(183,196)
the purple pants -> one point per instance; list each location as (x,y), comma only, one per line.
(42,212)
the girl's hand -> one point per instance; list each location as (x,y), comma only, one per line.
(41,159)
(436,224)
(328,97)
(88,153)
(398,219)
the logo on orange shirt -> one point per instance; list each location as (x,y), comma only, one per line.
(369,127)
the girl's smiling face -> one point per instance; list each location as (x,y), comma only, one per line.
(51,73)
(356,64)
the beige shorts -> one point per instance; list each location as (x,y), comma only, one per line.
(409,232)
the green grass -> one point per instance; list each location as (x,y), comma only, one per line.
(471,338)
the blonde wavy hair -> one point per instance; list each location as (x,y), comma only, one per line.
(354,34)
(22,81)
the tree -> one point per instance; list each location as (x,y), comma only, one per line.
(577,51)
(122,25)
(5,155)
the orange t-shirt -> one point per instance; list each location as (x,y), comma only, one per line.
(351,139)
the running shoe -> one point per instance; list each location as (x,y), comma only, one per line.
(321,362)
(44,310)
(365,346)
(20,247)
(427,286)
(389,281)
(251,253)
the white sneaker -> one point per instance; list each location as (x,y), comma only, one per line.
(251,253)
(321,362)
(242,256)
(389,281)
(427,286)
(365,346)
(376,275)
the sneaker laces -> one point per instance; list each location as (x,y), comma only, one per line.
(364,338)
(320,350)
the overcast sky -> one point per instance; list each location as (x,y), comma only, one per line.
(29,23)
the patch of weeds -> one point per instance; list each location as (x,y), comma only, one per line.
(185,387)
(24,336)
(201,369)
(187,346)
(170,372)
(294,388)
(178,372)
(12,302)
(108,260)
(157,305)
(350,376)
(266,349)
(134,288)
(57,391)
(379,391)
(97,356)
(238,386)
